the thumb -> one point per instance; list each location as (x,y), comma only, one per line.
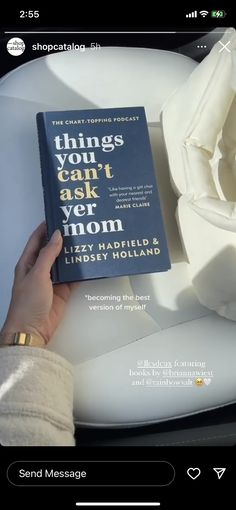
(49,253)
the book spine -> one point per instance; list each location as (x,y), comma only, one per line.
(47,183)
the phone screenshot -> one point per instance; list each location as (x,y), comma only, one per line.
(118,259)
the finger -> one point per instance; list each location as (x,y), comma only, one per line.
(31,251)
(74,285)
(48,254)
(61,295)
(62,292)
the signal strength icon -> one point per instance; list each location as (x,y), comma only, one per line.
(204,13)
(192,14)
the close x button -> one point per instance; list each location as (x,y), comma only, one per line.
(91,473)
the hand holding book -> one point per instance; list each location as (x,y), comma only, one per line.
(36,305)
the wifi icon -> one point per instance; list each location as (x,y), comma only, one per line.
(204,13)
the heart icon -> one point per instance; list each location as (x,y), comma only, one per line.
(207,380)
(193,472)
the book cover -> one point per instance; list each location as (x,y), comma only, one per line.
(100,190)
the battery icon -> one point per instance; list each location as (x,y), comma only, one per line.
(218,14)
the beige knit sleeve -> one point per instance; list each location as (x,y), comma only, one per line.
(36,398)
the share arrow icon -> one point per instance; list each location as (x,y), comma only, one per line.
(219,472)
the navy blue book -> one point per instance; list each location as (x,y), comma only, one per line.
(100,191)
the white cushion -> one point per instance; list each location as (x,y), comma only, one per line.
(199,123)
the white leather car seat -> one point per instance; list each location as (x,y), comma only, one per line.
(113,351)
